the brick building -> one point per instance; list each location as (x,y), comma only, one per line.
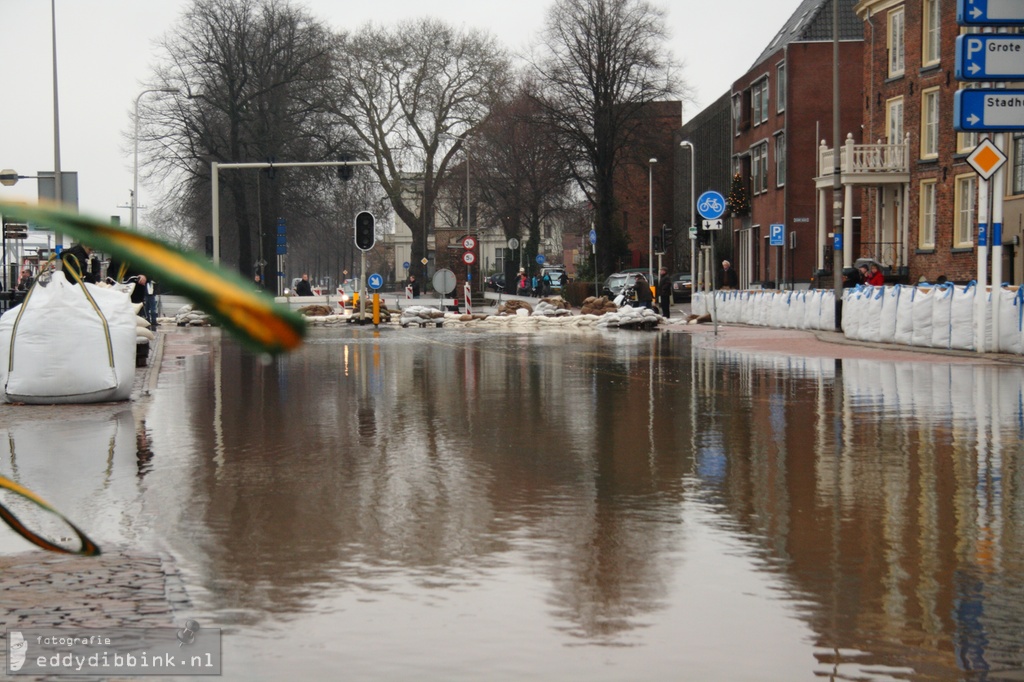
(781,109)
(920,193)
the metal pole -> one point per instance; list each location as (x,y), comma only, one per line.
(693,215)
(215,191)
(995,238)
(980,294)
(839,239)
(58,190)
(650,219)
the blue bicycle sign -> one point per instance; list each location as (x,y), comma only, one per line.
(711,205)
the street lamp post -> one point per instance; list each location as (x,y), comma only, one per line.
(650,219)
(693,215)
(135,167)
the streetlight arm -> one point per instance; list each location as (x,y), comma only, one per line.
(135,165)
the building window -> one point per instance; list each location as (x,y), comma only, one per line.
(780,87)
(895,43)
(894,120)
(926,236)
(759,167)
(1018,163)
(931,28)
(759,101)
(780,159)
(930,123)
(966,191)
(737,113)
(499,259)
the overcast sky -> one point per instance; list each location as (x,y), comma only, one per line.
(106,48)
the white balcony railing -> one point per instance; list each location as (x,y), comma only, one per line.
(865,159)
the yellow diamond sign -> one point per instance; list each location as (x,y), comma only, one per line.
(986,158)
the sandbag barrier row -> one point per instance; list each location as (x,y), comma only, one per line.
(932,316)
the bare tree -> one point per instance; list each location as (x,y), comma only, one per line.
(250,75)
(600,62)
(405,91)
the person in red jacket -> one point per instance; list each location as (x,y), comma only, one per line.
(875,277)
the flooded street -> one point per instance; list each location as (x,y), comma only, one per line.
(428,504)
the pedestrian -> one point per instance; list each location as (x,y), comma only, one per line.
(150,304)
(665,293)
(80,258)
(644,295)
(727,277)
(522,283)
(26,281)
(875,278)
(139,291)
(563,282)
(414,286)
(545,283)
(535,285)
(862,272)
(303,288)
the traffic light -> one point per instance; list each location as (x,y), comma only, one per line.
(657,243)
(365,232)
(345,172)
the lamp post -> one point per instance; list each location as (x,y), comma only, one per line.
(135,167)
(693,215)
(650,219)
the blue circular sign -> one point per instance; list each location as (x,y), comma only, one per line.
(593,236)
(540,259)
(375,281)
(711,205)
(405,265)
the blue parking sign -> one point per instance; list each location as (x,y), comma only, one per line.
(777,235)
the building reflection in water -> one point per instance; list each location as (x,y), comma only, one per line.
(594,487)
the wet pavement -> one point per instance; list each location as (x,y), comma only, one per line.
(423,504)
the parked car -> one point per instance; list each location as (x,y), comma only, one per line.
(682,287)
(497,282)
(555,272)
(616,282)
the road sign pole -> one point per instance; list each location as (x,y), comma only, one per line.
(980,305)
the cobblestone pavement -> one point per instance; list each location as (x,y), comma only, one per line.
(119,589)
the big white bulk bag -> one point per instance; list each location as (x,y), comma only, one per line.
(1010,309)
(961,318)
(890,309)
(941,314)
(923,311)
(68,343)
(871,320)
(905,315)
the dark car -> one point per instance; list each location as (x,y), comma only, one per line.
(682,287)
(497,282)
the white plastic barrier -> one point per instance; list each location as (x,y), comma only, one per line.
(887,320)
(922,310)
(961,318)
(68,343)
(873,314)
(1009,302)
(941,312)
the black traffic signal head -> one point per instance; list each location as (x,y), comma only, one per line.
(365,231)
(345,172)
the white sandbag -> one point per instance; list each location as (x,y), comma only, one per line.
(961,318)
(887,320)
(1009,308)
(812,310)
(778,310)
(905,315)
(852,312)
(923,308)
(797,304)
(827,319)
(62,346)
(941,309)
(872,320)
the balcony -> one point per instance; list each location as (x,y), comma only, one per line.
(865,164)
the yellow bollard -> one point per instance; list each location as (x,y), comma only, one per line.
(376,309)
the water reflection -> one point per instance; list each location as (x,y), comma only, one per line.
(395,499)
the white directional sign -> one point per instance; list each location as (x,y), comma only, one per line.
(988,110)
(713,224)
(776,235)
(375,281)
(985,57)
(988,12)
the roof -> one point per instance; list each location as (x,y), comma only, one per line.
(812,22)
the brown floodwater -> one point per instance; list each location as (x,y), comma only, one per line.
(431,504)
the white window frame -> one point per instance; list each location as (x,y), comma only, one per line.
(928,219)
(1017,163)
(894,120)
(780,159)
(930,123)
(737,112)
(759,167)
(895,42)
(780,87)
(931,33)
(759,101)
(964,210)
